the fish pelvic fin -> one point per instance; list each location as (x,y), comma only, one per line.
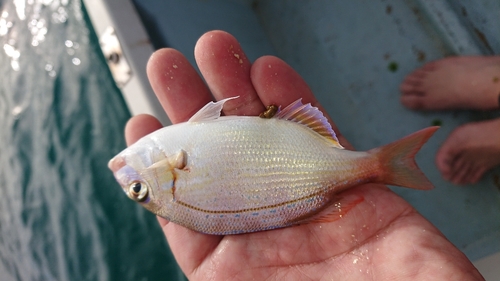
(397,161)
(335,211)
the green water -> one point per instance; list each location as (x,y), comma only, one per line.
(62,216)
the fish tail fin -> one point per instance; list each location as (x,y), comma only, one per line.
(397,160)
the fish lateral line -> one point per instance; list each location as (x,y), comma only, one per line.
(248,209)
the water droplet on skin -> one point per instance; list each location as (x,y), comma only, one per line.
(355,261)
(15,65)
(17,110)
(4,26)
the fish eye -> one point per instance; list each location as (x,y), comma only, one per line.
(138,191)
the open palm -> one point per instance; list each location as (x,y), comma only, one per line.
(382,238)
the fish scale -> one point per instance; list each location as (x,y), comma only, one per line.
(235,174)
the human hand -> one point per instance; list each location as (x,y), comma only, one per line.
(381,238)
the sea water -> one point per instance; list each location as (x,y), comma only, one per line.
(62,215)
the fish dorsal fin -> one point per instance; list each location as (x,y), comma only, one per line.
(311,117)
(210,111)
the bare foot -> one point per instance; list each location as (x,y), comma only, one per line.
(471,82)
(470,151)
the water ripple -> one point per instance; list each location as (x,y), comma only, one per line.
(62,216)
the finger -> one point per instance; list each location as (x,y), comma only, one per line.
(277,83)
(162,221)
(179,88)
(139,126)
(226,70)
(181,92)
(189,247)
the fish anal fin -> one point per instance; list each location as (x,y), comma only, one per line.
(311,117)
(334,212)
(210,111)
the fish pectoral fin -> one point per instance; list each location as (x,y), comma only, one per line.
(162,164)
(179,161)
(176,161)
(210,111)
(335,211)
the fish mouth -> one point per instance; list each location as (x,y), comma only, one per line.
(116,163)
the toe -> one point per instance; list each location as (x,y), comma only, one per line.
(429,67)
(444,161)
(448,158)
(411,84)
(413,101)
(460,173)
(476,175)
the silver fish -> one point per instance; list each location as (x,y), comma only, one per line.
(237,174)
